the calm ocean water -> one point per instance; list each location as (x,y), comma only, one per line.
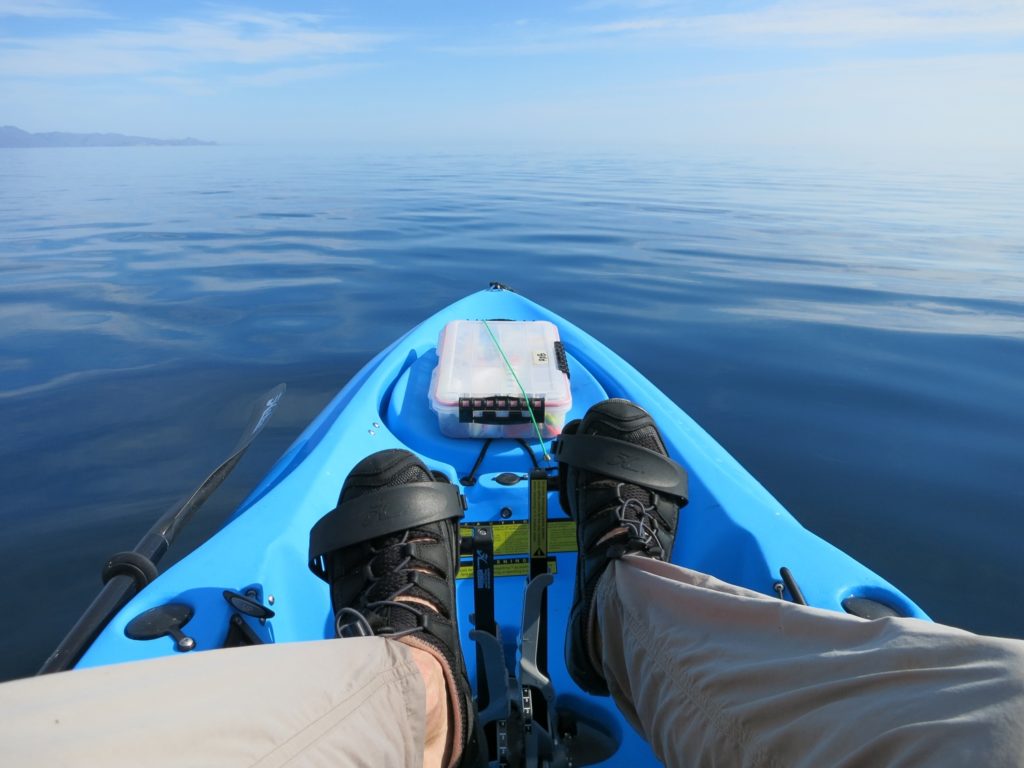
(854,336)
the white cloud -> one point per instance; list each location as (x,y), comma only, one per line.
(813,22)
(778,25)
(47,9)
(596,5)
(177,47)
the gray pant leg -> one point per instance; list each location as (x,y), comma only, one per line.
(713,674)
(353,702)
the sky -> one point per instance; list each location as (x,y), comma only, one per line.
(939,75)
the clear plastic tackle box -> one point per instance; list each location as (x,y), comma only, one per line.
(474,393)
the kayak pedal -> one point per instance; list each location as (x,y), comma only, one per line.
(542,745)
(494,684)
(517,715)
(560,738)
(517,734)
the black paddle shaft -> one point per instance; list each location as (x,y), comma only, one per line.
(126,573)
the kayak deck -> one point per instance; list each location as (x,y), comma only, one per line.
(731,528)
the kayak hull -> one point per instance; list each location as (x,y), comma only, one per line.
(732,527)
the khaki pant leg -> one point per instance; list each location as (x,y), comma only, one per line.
(713,674)
(352,702)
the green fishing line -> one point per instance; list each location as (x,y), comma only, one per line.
(526,399)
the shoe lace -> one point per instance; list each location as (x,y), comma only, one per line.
(351,622)
(641,523)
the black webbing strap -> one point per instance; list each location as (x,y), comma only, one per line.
(389,510)
(483,601)
(539,566)
(538,522)
(624,461)
(483,578)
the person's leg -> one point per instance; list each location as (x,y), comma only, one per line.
(391,691)
(437,714)
(714,673)
(389,552)
(360,702)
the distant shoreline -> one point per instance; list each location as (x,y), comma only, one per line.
(15,138)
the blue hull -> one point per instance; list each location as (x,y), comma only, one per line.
(732,528)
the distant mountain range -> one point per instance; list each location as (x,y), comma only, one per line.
(15,137)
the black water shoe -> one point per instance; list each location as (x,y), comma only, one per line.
(390,553)
(624,492)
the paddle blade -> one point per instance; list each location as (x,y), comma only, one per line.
(176,517)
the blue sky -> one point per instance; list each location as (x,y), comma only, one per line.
(942,75)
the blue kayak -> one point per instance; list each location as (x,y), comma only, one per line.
(731,528)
